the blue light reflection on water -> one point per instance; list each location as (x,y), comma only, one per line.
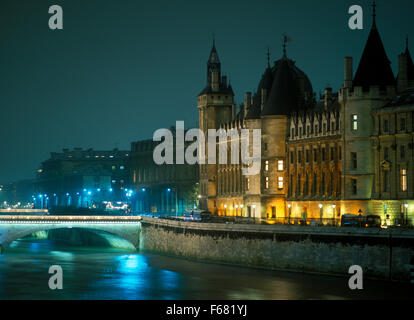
(108,273)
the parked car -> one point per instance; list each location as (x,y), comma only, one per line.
(197,215)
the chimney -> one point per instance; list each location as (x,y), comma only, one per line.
(328,96)
(215,81)
(348,72)
(264,98)
(402,72)
(248,101)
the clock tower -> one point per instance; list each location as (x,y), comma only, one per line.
(216,107)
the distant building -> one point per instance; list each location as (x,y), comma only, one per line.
(83,178)
(165,189)
(17,193)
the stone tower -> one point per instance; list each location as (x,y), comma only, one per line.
(373,85)
(216,106)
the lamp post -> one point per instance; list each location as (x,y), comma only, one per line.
(333,213)
(406,214)
(174,189)
(290,211)
(320,211)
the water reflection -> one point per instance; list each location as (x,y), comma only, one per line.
(107,273)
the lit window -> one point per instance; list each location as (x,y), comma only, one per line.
(403,179)
(122,167)
(280,182)
(267,182)
(113,167)
(354,122)
(266,165)
(280,165)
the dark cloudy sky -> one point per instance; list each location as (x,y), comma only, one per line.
(121,69)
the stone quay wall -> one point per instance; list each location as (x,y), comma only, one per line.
(382,253)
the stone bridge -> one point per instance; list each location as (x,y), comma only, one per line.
(13,227)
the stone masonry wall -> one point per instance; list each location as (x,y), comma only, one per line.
(305,255)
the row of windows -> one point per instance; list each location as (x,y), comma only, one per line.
(279,183)
(326,185)
(403,152)
(315,130)
(403,180)
(306,154)
(279,165)
(401,125)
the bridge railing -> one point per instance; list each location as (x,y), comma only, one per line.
(68,218)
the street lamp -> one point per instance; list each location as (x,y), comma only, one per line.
(333,213)
(320,211)
(290,211)
(176,201)
(406,215)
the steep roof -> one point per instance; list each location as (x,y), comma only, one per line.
(286,94)
(374,67)
(410,64)
(214,58)
(265,83)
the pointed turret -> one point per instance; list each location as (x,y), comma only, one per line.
(213,64)
(374,68)
(410,64)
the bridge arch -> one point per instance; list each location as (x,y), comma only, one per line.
(12,231)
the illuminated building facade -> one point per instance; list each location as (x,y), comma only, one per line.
(319,159)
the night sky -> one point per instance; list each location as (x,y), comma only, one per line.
(122,69)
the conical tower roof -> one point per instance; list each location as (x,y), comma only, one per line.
(374,68)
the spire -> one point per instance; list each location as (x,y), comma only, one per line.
(406,44)
(268,57)
(213,53)
(286,39)
(410,64)
(374,14)
(213,63)
(374,67)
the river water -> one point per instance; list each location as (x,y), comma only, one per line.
(108,273)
